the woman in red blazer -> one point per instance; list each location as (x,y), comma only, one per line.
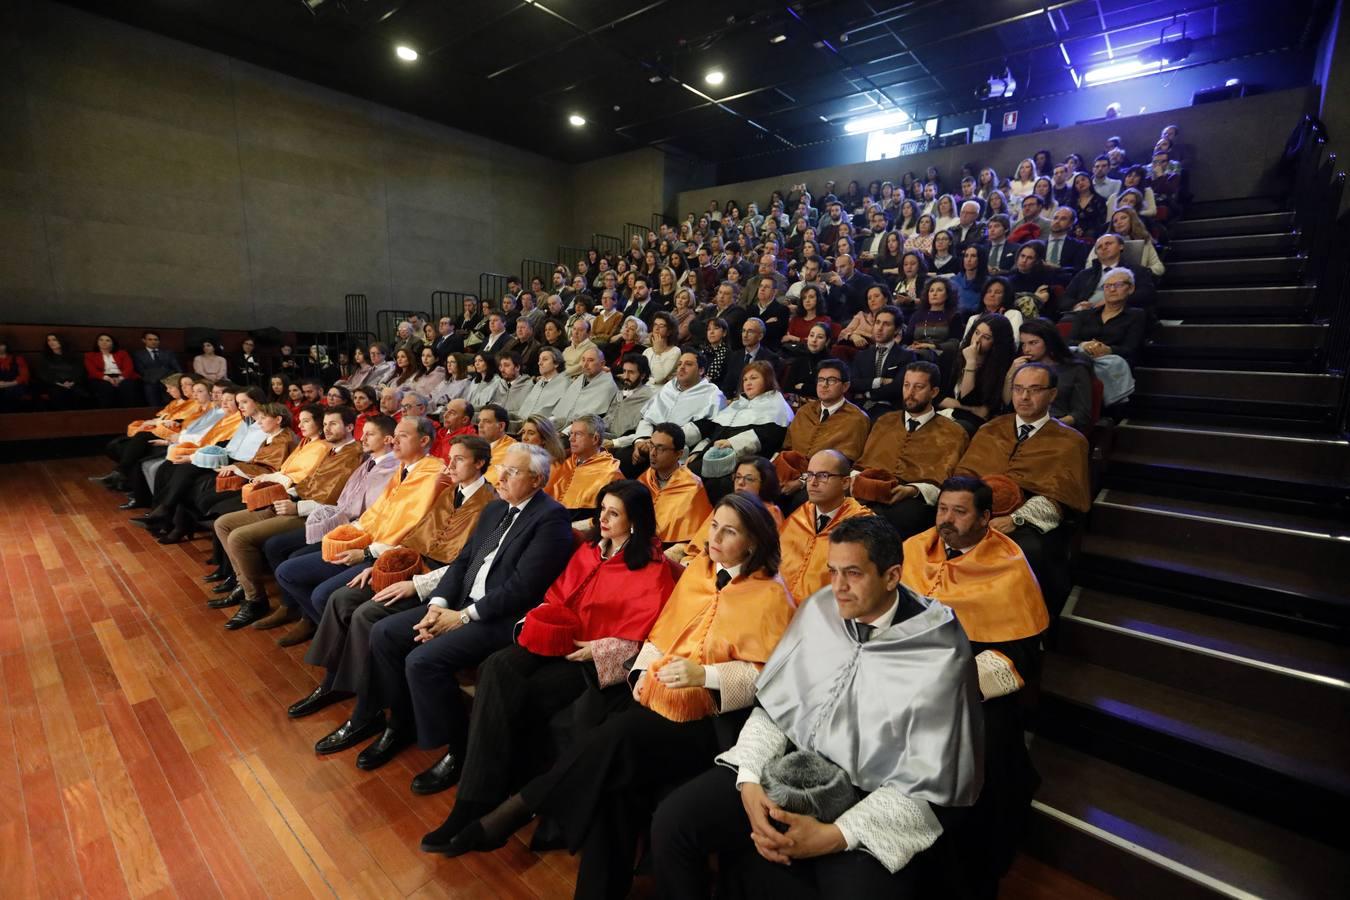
(112,375)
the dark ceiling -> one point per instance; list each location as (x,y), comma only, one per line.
(514,70)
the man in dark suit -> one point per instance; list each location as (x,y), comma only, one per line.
(967,229)
(766,307)
(642,305)
(852,286)
(1085,288)
(447,341)
(1065,256)
(153,364)
(724,306)
(520,545)
(752,350)
(1002,253)
(878,380)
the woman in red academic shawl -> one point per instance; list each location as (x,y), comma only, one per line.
(593,619)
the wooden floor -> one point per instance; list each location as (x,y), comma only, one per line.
(145,751)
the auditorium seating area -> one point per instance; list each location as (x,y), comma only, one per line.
(1190,726)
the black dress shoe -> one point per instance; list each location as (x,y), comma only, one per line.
(220,574)
(176,536)
(227,586)
(442,776)
(249,612)
(320,698)
(149,522)
(349,734)
(388,745)
(132,503)
(235,598)
(465,813)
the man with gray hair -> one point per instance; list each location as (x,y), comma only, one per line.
(520,545)
(587,469)
(1085,289)
(967,229)
(547,389)
(590,392)
(581,342)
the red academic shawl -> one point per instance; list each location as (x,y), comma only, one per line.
(610,599)
(440,447)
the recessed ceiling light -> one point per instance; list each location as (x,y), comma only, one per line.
(715,77)
(655,79)
(576,120)
(778,39)
(406,53)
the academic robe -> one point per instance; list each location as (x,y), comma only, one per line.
(625,411)
(742,622)
(403,503)
(440,447)
(928,455)
(269,456)
(1052,463)
(324,483)
(845,430)
(611,600)
(304,460)
(698,545)
(680,506)
(499,448)
(444,530)
(805,551)
(578,484)
(171,412)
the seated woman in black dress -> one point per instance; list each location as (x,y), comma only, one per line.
(61,376)
(975,393)
(1112,334)
(699,664)
(715,348)
(593,619)
(930,327)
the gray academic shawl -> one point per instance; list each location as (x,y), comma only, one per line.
(901,710)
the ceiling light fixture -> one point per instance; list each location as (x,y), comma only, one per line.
(406,53)
(876,122)
(1117,71)
(778,39)
(715,77)
(576,120)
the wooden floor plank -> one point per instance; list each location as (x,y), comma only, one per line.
(145,751)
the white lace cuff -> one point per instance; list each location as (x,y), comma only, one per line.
(759,743)
(998,675)
(890,826)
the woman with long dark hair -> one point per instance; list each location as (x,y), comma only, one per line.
(721,623)
(1042,343)
(61,375)
(976,392)
(112,375)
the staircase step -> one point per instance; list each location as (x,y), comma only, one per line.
(1247,270)
(1235,207)
(1141,839)
(1304,397)
(1282,563)
(1223,226)
(1289,301)
(1305,467)
(1246,347)
(1295,775)
(1210,655)
(1231,246)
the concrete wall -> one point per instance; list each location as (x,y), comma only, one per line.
(146,181)
(609,192)
(1230,147)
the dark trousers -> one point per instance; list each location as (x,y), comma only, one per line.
(1048,556)
(126,393)
(281,547)
(705,816)
(517,694)
(342,643)
(416,682)
(127,451)
(153,392)
(603,790)
(908,517)
(307,581)
(178,484)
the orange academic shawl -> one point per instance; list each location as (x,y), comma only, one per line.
(578,485)
(188,414)
(403,503)
(698,545)
(498,457)
(444,530)
(271,455)
(990,587)
(926,455)
(324,485)
(222,430)
(845,431)
(302,462)
(1053,462)
(743,621)
(805,551)
(680,506)
(173,410)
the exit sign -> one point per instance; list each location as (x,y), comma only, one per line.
(1010,121)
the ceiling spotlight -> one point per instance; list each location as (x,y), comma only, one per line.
(406,53)
(576,120)
(715,77)
(778,39)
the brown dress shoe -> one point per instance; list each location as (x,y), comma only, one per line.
(300,632)
(282,615)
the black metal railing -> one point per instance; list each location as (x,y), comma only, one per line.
(607,244)
(537,268)
(659,219)
(449,303)
(358,314)
(568,256)
(491,286)
(387,322)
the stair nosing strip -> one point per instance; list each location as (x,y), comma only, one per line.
(1318,375)
(1275,668)
(1200,517)
(1171,865)
(1295,439)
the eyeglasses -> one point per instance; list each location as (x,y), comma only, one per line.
(829,380)
(513,471)
(1032,391)
(746,479)
(1116,285)
(821,476)
(408,407)
(662,447)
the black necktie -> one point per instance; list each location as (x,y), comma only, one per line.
(459,498)
(824,414)
(822,522)
(912,425)
(370,464)
(402,474)
(493,541)
(749,358)
(952,552)
(864,632)
(154,355)
(723,576)
(1023,432)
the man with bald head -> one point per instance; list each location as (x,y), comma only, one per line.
(852,288)
(805,535)
(590,393)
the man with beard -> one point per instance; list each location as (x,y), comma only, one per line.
(908,454)
(635,389)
